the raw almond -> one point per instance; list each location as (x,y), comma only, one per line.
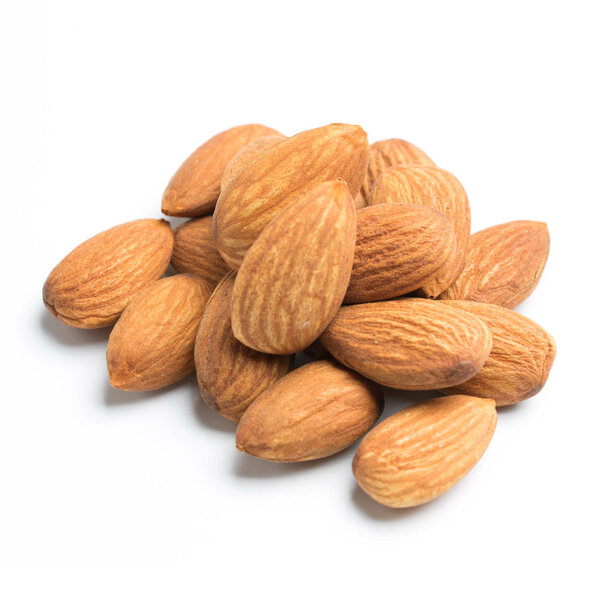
(195,187)
(409,344)
(314,412)
(420,452)
(93,284)
(434,187)
(231,375)
(503,264)
(279,176)
(152,344)
(521,357)
(398,249)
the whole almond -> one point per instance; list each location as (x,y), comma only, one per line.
(503,264)
(152,344)
(313,412)
(398,249)
(231,375)
(94,283)
(294,277)
(279,176)
(195,187)
(194,251)
(409,344)
(434,187)
(521,357)
(420,452)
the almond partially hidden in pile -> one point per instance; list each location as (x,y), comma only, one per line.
(358,255)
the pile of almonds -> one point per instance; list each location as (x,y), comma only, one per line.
(359,255)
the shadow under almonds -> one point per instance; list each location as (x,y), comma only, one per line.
(378,512)
(115,397)
(72,336)
(209,417)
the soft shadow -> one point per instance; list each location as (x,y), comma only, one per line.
(378,512)
(209,417)
(115,397)
(71,336)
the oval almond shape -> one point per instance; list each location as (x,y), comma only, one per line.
(294,277)
(152,344)
(409,344)
(195,187)
(439,189)
(313,412)
(420,452)
(94,283)
(520,360)
(503,264)
(231,375)
(194,251)
(279,176)
(398,249)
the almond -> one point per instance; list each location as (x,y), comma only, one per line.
(398,249)
(430,186)
(152,344)
(503,264)
(521,357)
(194,251)
(314,412)
(195,187)
(93,284)
(231,375)
(409,344)
(420,452)
(293,279)
(279,176)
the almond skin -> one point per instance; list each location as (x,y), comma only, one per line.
(194,251)
(279,176)
(93,284)
(294,277)
(409,344)
(503,264)
(420,452)
(521,357)
(231,375)
(314,412)
(398,249)
(434,187)
(152,344)
(195,187)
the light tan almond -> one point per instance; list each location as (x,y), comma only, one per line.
(409,344)
(152,344)
(420,452)
(93,284)
(294,277)
(231,375)
(279,176)
(430,186)
(314,412)
(398,249)
(521,357)
(503,264)
(195,187)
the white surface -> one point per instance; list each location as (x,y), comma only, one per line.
(110,494)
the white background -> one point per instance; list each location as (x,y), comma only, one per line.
(107,494)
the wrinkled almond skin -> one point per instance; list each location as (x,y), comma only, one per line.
(521,357)
(313,412)
(409,344)
(152,344)
(94,283)
(439,189)
(231,375)
(194,251)
(279,176)
(398,249)
(388,153)
(195,187)
(294,277)
(420,452)
(503,264)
